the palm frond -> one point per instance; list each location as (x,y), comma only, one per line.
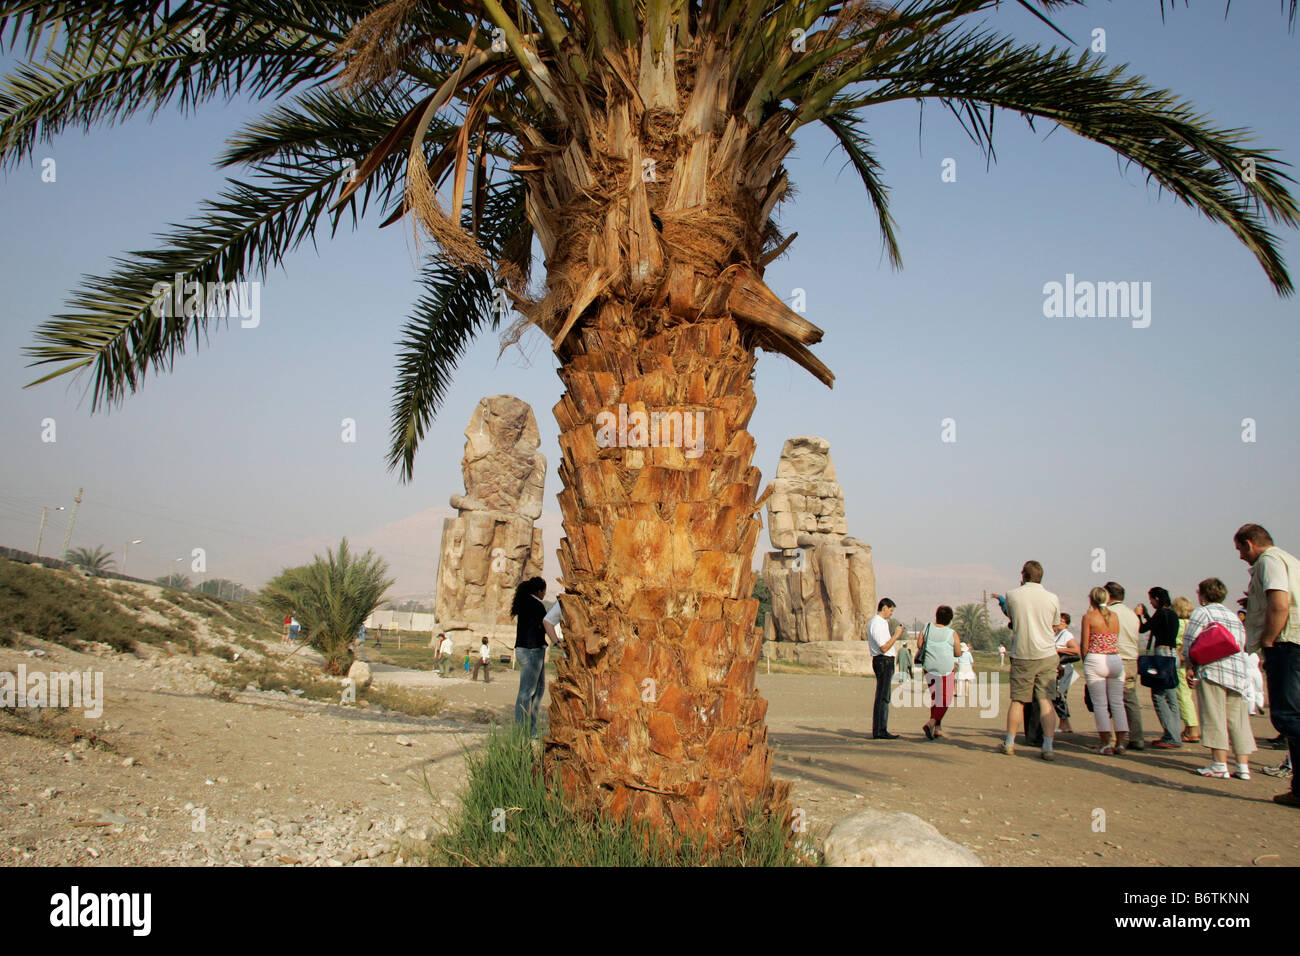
(848,130)
(1211,170)
(457,304)
(154,62)
(115,326)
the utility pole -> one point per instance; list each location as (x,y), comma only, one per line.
(126,552)
(72,519)
(40,535)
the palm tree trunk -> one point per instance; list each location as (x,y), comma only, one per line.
(654,711)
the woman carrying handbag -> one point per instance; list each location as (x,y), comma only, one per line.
(1220,673)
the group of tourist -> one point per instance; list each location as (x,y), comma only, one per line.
(1207,649)
(1205,693)
(1212,650)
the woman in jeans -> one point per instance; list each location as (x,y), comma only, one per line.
(1162,624)
(940,646)
(530,649)
(1103,672)
(1220,686)
(1186,705)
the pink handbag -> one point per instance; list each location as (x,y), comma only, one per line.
(1213,644)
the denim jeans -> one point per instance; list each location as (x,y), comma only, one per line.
(1166,705)
(883,666)
(532,684)
(1282,671)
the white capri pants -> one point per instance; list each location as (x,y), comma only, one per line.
(1104,676)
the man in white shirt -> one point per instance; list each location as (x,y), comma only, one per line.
(1034,613)
(551,623)
(484,659)
(1128,653)
(445,651)
(1272,607)
(883,651)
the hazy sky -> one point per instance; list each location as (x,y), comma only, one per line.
(1072,434)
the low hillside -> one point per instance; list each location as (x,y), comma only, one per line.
(233,646)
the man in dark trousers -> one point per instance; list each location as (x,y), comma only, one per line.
(883,651)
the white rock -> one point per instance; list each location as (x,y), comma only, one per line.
(877,838)
(403,741)
(359,672)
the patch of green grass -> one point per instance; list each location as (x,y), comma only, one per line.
(404,701)
(535,826)
(415,652)
(270,675)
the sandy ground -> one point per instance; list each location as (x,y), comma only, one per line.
(1016,810)
(284,781)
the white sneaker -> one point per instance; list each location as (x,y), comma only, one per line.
(1211,772)
(1242,772)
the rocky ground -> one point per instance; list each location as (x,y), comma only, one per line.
(178,771)
(173,774)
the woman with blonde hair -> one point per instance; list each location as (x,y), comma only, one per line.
(1183,607)
(1103,672)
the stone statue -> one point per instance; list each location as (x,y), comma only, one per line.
(821,581)
(492,545)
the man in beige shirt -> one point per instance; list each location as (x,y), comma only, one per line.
(1034,612)
(1272,606)
(1128,653)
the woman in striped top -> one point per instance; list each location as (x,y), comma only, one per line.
(1103,672)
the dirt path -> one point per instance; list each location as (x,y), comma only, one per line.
(1022,810)
(282,780)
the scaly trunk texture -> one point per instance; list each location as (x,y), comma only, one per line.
(653,216)
(654,710)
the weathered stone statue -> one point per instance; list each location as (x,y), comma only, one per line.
(492,545)
(821,581)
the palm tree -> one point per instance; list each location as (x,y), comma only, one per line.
(640,144)
(971,621)
(174,580)
(331,598)
(96,562)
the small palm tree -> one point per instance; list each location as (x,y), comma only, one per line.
(96,562)
(331,598)
(971,621)
(174,580)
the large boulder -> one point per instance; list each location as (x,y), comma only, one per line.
(879,838)
(360,674)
